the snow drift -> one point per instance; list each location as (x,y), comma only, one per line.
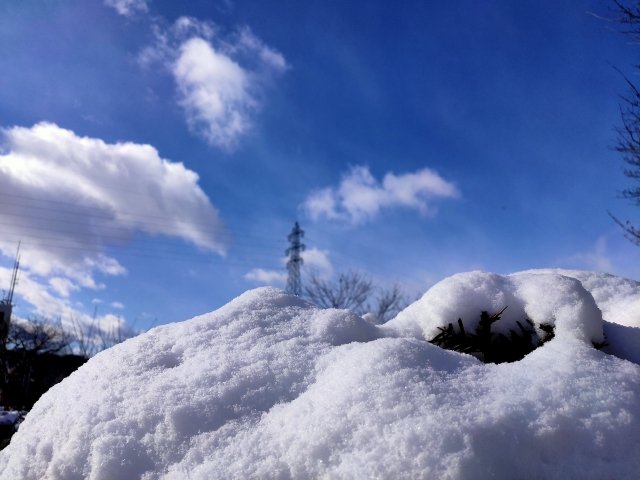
(271,387)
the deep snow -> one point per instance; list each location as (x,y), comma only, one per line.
(271,387)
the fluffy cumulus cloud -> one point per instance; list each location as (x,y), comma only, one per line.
(360,197)
(128,7)
(219,80)
(68,199)
(314,259)
(213,92)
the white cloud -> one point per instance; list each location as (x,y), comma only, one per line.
(247,42)
(63,286)
(62,192)
(267,277)
(128,7)
(214,92)
(45,298)
(47,303)
(219,79)
(360,197)
(117,305)
(68,198)
(317,261)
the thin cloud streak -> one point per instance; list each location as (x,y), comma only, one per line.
(128,8)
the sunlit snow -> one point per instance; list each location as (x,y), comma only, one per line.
(271,387)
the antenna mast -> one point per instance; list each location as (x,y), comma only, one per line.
(6,303)
(14,276)
(294,284)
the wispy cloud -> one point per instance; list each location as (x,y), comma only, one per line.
(68,198)
(128,7)
(359,197)
(318,261)
(598,258)
(219,79)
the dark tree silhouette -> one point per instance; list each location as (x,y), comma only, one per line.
(354,291)
(628,134)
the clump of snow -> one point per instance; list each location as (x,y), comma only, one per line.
(550,298)
(271,387)
(619,300)
(617,297)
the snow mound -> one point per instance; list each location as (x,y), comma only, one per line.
(549,298)
(617,297)
(619,300)
(271,387)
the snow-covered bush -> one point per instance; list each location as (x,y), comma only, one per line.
(271,387)
(490,347)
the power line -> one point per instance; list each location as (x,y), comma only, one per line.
(57,225)
(119,215)
(171,255)
(115,232)
(116,223)
(48,203)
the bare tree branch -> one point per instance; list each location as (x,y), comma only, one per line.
(390,303)
(351,291)
(628,134)
(356,292)
(37,336)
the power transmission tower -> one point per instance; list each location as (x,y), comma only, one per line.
(294,284)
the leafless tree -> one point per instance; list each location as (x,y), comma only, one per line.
(89,340)
(39,353)
(389,303)
(628,141)
(26,344)
(351,291)
(354,291)
(37,336)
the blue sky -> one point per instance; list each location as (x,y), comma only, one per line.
(155,154)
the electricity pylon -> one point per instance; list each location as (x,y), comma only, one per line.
(294,284)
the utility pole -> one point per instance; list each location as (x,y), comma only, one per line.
(294,284)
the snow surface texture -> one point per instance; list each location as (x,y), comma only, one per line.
(271,387)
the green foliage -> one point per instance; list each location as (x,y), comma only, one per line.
(493,347)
